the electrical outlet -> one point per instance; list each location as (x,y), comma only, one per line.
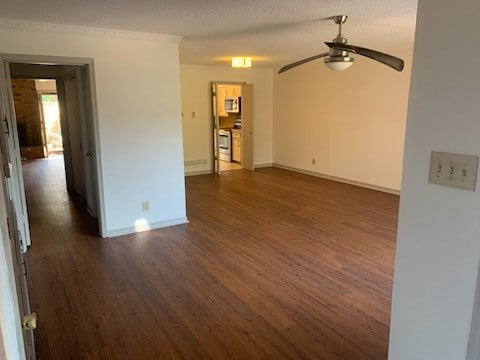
(314,161)
(194,114)
(454,170)
(145,206)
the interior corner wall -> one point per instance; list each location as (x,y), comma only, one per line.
(438,245)
(352,123)
(196,97)
(137,88)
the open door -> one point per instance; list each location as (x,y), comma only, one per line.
(247,127)
(216,126)
(75,134)
(43,128)
(15,183)
(88,135)
(78,136)
(27,319)
(246,121)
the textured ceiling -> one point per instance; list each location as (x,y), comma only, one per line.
(273,32)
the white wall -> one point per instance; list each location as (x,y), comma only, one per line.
(196,97)
(438,246)
(47,86)
(352,123)
(140,125)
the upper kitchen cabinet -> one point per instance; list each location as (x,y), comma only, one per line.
(221,96)
(234,91)
(225,91)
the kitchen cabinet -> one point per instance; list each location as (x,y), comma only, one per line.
(226,91)
(221,95)
(234,91)
(237,145)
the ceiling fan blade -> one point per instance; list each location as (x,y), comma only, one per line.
(389,60)
(300,62)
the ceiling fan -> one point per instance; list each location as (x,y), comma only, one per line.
(338,59)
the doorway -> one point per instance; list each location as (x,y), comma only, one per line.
(65,122)
(50,116)
(32,135)
(232,126)
(38,117)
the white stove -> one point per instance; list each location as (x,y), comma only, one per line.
(225,144)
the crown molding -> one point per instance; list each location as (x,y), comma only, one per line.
(31,26)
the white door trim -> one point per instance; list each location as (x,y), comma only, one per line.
(216,121)
(97,159)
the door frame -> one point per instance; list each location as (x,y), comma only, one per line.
(42,122)
(473,348)
(216,122)
(215,127)
(97,178)
(248,120)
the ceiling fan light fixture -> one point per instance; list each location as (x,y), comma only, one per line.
(241,62)
(338,63)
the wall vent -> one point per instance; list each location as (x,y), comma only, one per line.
(195,162)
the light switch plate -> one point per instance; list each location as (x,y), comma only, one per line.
(454,170)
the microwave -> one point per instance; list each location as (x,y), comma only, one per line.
(232,105)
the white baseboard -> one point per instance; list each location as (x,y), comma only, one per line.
(135,229)
(264,165)
(194,173)
(339,179)
(206,172)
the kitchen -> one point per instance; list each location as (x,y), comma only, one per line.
(229,111)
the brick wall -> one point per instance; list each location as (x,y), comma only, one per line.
(28,117)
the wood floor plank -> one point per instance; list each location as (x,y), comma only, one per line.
(272,265)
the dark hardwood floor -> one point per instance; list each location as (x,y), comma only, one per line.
(273,265)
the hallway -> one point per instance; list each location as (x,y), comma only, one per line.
(291,266)
(50,207)
(59,230)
